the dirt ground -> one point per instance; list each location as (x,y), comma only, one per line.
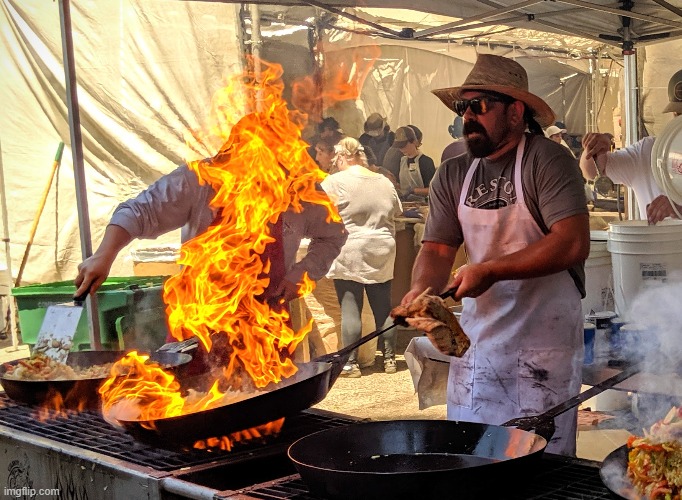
(378,395)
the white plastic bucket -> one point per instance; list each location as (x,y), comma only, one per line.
(598,279)
(643,256)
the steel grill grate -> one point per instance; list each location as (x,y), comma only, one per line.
(88,430)
(559,479)
(555,479)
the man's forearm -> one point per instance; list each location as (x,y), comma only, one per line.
(432,268)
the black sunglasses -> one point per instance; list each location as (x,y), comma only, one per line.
(478,105)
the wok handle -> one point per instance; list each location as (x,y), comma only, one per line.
(341,356)
(540,423)
(79,300)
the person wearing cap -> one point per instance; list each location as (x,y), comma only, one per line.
(631,166)
(328,132)
(555,134)
(394,154)
(516,201)
(459,145)
(416,169)
(378,136)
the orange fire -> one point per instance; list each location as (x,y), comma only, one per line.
(55,405)
(261,171)
(341,79)
(228,442)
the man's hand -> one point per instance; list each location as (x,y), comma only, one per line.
(472,280)
(596,144)
(285,292)
(91,273)
(660,208)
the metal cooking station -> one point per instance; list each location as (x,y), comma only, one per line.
(85,457)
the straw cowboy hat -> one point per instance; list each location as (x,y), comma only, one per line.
(502,75)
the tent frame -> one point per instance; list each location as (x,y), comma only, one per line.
(625,40)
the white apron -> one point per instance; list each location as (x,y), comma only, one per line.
(526,335)
(410,177)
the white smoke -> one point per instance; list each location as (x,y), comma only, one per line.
(657,311)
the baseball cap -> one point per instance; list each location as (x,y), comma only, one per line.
(374,125)
(404,135)
(553,130)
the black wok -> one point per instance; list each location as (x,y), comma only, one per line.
(429,458)
(308,386)
(81,393)
(416,459)
(613,473)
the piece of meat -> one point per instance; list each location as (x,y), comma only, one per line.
(428,313)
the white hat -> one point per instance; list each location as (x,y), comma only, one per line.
(553,130)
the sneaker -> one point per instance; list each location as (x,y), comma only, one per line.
(389,365)
(351,370)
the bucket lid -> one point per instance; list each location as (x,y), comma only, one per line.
(599,235)
(600,315)
(642,227)
(598,249)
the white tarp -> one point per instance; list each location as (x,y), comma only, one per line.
(146,72)
(404,73)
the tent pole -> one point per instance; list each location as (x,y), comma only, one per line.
(77,153)
(5,224)
(631,121)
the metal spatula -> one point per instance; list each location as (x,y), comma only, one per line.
(55,337)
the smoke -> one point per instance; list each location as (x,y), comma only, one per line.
(657,311)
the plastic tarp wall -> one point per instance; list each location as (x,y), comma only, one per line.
(660,62)
(146,70)
(402,76)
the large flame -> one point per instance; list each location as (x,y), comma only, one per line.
(260,172)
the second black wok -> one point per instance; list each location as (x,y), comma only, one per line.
(430,459)
(79,393)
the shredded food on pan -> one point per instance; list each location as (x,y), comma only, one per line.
(41,367)
(655,460)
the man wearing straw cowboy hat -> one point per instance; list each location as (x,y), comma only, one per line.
(516,201)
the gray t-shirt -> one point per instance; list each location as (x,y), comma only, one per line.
(552,186)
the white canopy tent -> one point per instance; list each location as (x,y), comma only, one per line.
(122,81)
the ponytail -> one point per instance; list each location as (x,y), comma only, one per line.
(533,126)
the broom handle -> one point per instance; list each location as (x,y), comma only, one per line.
(36,219)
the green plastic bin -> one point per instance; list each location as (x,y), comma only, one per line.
(131,312)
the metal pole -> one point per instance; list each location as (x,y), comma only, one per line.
(77,153)
(5,224)
(631,121)
(256,47)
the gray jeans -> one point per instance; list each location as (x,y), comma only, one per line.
(350,295)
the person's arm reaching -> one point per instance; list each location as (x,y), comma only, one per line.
(661,208)
(593,157)
(567,244)
(431,270)
(94,270)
